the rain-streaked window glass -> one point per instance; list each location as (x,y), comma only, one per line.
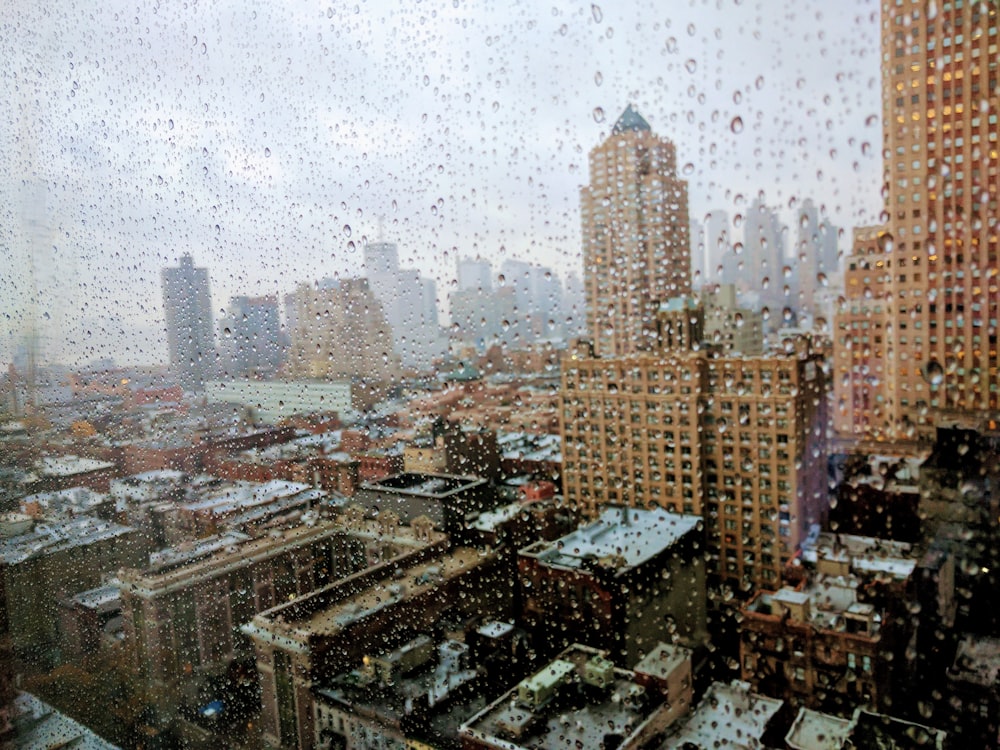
(448,374)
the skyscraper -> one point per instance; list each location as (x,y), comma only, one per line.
(410,304)
(940,248)
(636,251)
(764,249)
(187,306)
(251,337)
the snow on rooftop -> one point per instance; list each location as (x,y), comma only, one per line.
(629,535)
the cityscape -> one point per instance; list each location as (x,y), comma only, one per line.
(713,468)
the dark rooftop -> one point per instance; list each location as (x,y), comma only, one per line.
(630,120)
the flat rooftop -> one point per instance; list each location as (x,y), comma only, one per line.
(182,566)
(576,715)
(425,485)
(57,536)
(815,730)
(730,716)
(621,538)
(977,660)
(65,466)
(415,580)
(847,546)
(827,602)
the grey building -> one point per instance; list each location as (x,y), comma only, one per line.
(187,306)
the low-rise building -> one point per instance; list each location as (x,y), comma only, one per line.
(184,611)
(51,562)
(310,640)
(730,716)
(819,645)
(448,500)
(580,699)
(419,692)
(864,730)
(973,681)
(624,582)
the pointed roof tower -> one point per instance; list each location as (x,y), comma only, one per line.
(630,120)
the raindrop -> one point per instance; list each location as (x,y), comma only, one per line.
(691,65)
(598,114)
(737,124)
(347,230)
(597,13)
(598,78)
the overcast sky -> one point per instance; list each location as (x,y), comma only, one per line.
(268,138)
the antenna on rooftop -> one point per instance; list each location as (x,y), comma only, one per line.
(381,228)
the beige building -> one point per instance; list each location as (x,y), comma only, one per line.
(341,332)
(636,252)
(863,361)
(939,112)
(739,441)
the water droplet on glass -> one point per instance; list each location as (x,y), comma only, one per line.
(737,124)
(598,114)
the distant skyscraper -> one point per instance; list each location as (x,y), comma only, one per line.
(250,344)
(474,274)
(722,261)
(700,265)
(941,247)
(815,257)
(341,332)
(410,304)
(636,249)
(187,305)
(764,258)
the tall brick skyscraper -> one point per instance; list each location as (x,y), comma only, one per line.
(636,248)
(942,298)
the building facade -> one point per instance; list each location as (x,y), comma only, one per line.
(636,250)
(739,441)
(940,73)
(187,306)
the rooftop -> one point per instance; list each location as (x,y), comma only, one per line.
(815,730)
(863,554)
(420,676)
(38,725)
(417,579)
(64,466)
(620,538)
(827,603)
(630,120)
(728,716)
(561,706)
(977,661)
(50,538)
(427,485)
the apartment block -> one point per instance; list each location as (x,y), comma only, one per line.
(624,582)
(737,440)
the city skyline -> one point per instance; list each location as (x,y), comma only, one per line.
(177,159)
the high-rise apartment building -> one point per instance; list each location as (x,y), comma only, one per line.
(187,305)
(737,440)
(863,349)
(636,251)
(940,111)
